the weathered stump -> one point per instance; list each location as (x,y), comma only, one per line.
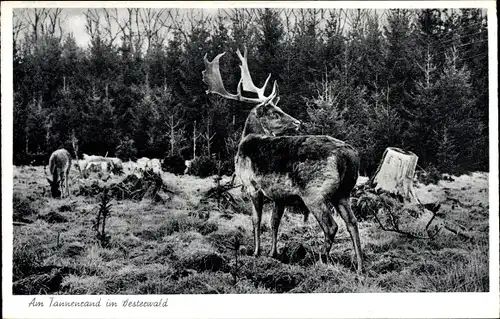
(395,173)
(389,197)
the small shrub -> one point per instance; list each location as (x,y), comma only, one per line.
(126,150)
(117,170)
(432,176)
(203,166)
(227,167)
(173,164)
(103,212)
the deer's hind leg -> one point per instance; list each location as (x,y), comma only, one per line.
(343,207)
(66,180)
(323,214)
(66,185)
(279,209)
(62,185)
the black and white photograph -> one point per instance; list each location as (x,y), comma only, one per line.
(226,150)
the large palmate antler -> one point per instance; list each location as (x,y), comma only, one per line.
(212,77)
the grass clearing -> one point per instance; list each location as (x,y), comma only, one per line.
(186,245)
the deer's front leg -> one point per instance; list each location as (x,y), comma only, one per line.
(257,201)
(66,180)
(64,186)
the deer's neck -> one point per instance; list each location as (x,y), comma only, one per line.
(253,126)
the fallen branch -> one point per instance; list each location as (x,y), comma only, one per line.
(21,224)
(399,231)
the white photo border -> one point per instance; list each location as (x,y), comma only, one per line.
(369,305)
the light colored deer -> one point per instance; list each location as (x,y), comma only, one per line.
(105,163)
(315,173)
(59,167)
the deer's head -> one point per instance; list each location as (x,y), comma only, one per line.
(54,185)
(266,117)
(54,188)
(273,120)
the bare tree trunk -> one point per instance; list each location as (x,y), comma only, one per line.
(172,137)
(48,127)
(195,137)
(395,173)
(208,137)
(74,142)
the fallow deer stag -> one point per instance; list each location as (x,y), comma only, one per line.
(316,172)
(59,166)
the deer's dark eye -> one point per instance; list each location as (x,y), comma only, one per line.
(274,116)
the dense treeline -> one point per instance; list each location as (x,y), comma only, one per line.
(416,79)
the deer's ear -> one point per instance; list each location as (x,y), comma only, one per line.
(261,110)
(50,182)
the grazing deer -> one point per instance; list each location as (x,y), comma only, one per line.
(317,173)
(59,166)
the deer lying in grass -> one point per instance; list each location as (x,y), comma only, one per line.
(59,166)
(317,173)
(105,163)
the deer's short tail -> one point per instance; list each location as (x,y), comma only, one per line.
(350,169)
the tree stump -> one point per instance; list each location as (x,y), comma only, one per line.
(389,197)
(395,173)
